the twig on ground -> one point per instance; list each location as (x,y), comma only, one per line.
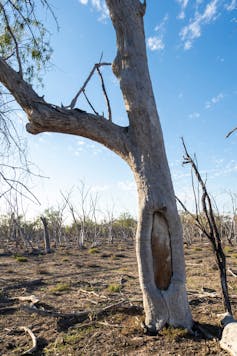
(34,340)
(232,273)
(30,298)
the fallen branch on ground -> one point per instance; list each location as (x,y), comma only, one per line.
(232,273)
(80,316)
(33,338)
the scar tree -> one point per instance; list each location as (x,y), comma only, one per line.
(159,242)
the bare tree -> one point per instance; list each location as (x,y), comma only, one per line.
(209,226)
(46,234)
(159,243)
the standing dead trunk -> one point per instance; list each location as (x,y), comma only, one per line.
(46,235)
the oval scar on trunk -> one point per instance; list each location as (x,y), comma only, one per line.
(161,251)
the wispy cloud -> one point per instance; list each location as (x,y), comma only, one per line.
(82,146)
(156,42)
(99,188)
(232,5)
(193,30)
(194,115)
(183,5)
(99,6)
(127,185)
(214,100)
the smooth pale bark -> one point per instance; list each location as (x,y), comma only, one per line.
(159,235)
(47,248)
(159,243)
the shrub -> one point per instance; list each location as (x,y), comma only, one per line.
(60,287)
(114,288)
(21,259)
(93,250)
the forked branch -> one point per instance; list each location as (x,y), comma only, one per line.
(74,100)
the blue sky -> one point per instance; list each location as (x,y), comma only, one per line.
(192,53)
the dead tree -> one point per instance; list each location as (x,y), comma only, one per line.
(46,234)
(209,228)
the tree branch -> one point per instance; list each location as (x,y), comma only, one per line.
(74,100)
(13,37)
(105,94)
(230,133)
(46,117)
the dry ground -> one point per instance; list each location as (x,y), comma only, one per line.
(69,281)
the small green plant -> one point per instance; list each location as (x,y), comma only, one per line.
(197,249)
(234,255)
(60,287)
(227,249)
(174,333)
(93,250)
(21,259)
(114,288)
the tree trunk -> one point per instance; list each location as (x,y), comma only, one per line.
(160,258)
(46,235)
(159,234)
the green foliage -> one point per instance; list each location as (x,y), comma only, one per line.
(114,288)
(126,220)
(227,249)
(60,287)
(24,40)
(173,333)
(93,250)
(197,249)
(21,259)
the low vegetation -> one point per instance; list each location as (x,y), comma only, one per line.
(67,282)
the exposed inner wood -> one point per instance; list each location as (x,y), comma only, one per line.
(161,251)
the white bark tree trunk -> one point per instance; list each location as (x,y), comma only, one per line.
(46,235)
(159,233)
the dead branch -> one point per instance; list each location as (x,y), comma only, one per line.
(33,338)
(80,316)
(105,94)
(230,133)
(211,230)
(31,298)
(74,100)
(89,103)
(105,323)
(92,292)
(232,273)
